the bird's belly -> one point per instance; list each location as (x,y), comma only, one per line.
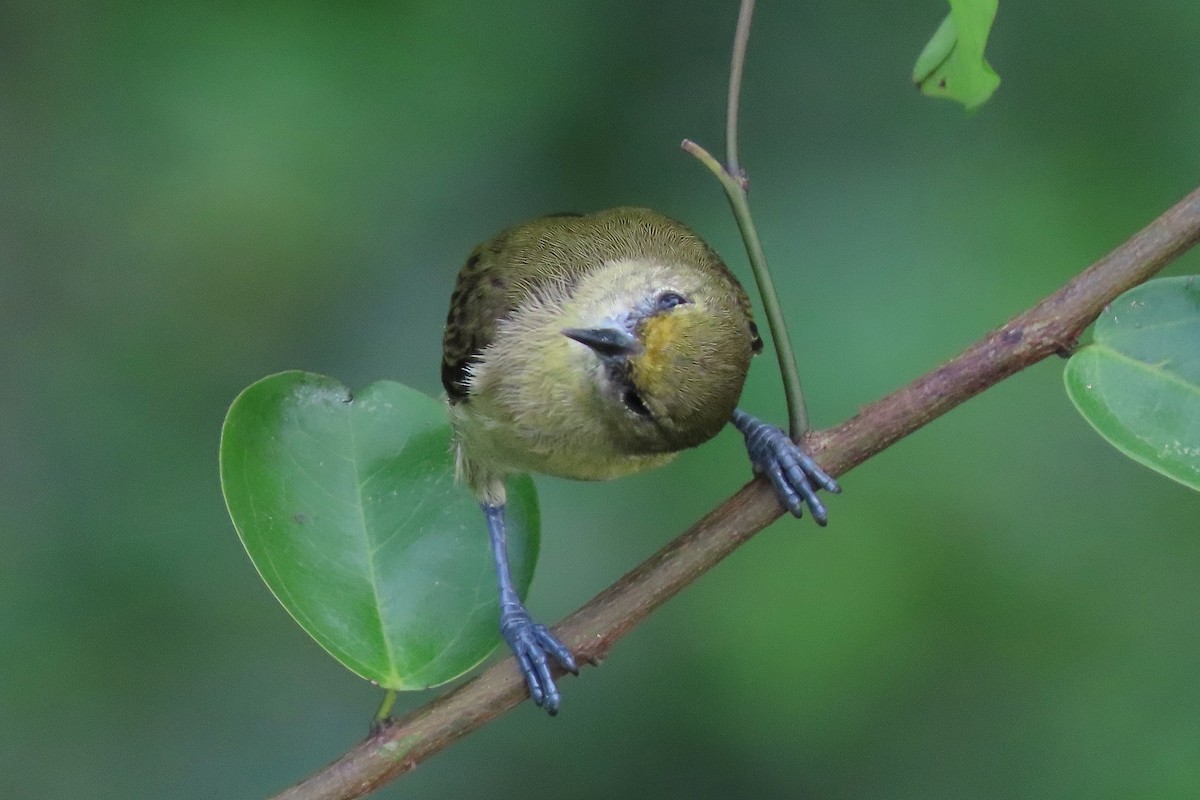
(571,462)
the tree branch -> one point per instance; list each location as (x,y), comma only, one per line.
(1049,327)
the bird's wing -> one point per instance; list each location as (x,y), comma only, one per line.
(498,276)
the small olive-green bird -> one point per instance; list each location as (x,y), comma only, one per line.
(593,346)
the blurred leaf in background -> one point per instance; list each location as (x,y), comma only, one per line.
(952,65)
(199,195)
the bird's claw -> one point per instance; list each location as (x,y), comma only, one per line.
(534,645)
(793,473)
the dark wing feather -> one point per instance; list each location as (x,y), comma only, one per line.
(477,302)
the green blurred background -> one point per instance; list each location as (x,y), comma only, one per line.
(196,195)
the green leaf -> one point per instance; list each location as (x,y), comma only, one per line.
(1138,383)
(952,64)
(347,506)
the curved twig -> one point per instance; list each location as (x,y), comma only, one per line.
(737,187)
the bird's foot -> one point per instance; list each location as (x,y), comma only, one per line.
(793,473)
(534,645)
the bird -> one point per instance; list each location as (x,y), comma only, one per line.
(591,346)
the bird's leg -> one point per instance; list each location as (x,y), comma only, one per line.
(793,473)
(530,642)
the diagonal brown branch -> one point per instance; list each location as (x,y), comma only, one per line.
(1049,327)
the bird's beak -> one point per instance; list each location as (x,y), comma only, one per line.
(607,342)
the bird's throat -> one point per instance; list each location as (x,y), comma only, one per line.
(650,367)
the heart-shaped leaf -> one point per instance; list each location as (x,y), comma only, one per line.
(952,64)
(347,506)
(1138,383)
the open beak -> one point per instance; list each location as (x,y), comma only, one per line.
(607,342)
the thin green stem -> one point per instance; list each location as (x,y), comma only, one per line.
(738,201)
(740,38)
(797,414)
(385,708)
(736,184)
(706,158)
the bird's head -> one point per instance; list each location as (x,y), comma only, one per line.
(667,348)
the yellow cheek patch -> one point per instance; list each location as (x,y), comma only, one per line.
(659,335)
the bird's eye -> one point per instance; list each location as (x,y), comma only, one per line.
(668,300)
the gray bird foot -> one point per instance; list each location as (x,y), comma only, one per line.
(534,646)
(793,473)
